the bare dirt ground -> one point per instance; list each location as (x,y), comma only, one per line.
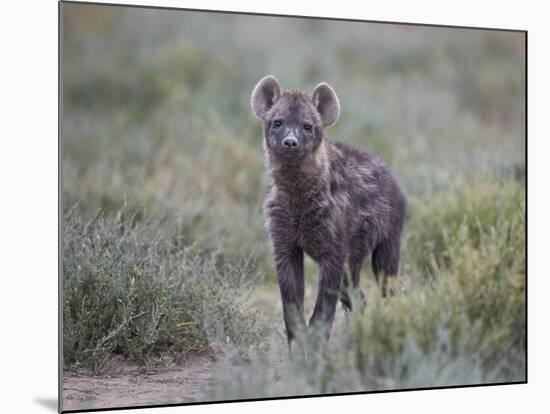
(125,387)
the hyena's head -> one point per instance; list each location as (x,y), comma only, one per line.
(293,121)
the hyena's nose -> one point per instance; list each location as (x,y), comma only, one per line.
(290,142)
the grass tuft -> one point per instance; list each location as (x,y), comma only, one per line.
(130,291)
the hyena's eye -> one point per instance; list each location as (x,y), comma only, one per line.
(308,127)
(277,123)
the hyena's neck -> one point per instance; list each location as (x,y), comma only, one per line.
(309,176)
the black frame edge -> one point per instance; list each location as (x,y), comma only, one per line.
(294,16)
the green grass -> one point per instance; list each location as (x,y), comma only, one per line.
(163,178)
(130,290)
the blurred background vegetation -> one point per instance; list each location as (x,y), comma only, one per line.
(163,178)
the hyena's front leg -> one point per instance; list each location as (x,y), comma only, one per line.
(290,274)
(330,280)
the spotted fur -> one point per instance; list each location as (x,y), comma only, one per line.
(326,199)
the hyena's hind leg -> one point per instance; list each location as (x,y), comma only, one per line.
(385,262)
(353,281)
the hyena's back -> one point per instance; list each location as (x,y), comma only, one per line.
(373,206)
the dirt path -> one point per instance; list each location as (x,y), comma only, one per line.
(123,387)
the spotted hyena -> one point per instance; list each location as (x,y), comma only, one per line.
(326,199)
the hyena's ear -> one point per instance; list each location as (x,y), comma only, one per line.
(266,92)
(327,103)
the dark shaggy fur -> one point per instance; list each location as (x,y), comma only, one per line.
(327,199)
